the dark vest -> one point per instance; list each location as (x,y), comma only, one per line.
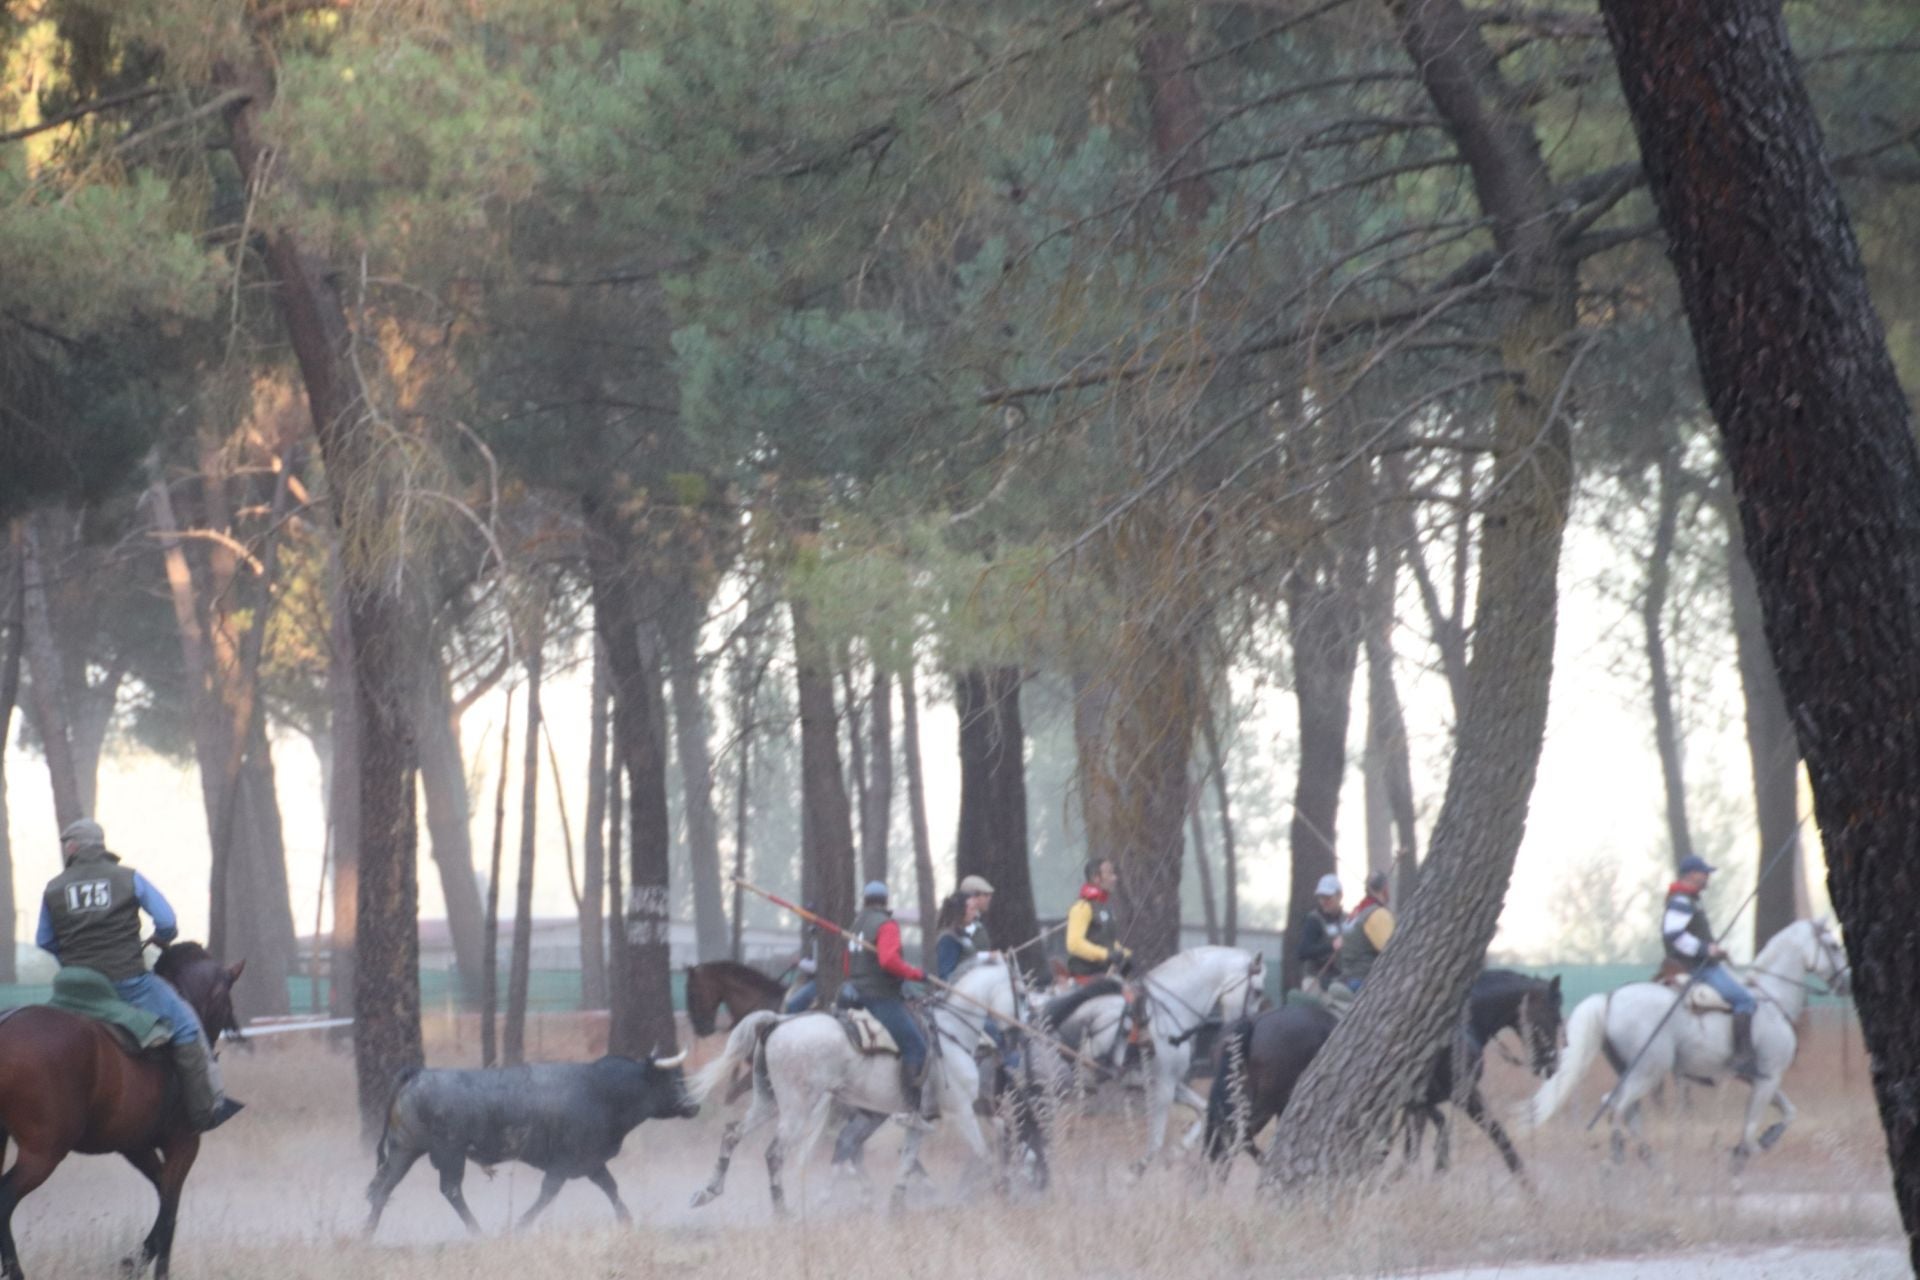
(1357,952)
(96,922)
(1100,932)
(974,939)
(868,979)
(1697,926)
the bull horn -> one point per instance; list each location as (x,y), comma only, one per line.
(674,1061)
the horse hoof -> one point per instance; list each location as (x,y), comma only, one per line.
(704,1196)
(1771,1136)
(1741,1154)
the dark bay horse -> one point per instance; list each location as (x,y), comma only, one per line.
(66,1085)
(742,989)
(1261,1059)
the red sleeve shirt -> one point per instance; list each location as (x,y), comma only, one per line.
(887,946)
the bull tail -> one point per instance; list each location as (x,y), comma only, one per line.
(400,1082)
(1586,1033)
(742,1044)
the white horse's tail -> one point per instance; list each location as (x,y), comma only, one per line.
(741,1044)
(1586,1032)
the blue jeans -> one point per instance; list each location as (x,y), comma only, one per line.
(157,996)
(893,1015)
(802,998)
(1716,976)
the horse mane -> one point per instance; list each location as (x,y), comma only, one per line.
(177,956)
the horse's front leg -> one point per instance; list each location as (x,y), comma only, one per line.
(1764,1090)
(762,1111)
(1778,1127)
(176,1162)
(1476,1108)
(1164,1083)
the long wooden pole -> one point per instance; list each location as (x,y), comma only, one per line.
(931,981)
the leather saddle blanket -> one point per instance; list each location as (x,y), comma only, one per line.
(865,1032)
(1702,999)
(88,993)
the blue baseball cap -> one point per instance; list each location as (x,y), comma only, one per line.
(1691,864)
(875,889)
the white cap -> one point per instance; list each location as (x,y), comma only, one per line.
(1329,886)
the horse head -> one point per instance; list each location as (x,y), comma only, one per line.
(703,1005)
(1829,959)
(204,983)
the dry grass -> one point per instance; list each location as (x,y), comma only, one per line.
(279,1193)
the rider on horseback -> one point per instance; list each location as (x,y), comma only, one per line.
(1318,936)
(1093,945)
(90,918)
(1690,944)
(876,971)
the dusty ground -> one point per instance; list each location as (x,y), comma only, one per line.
(279,1191)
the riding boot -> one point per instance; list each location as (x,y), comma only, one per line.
(912,1116)
(1744,1064)
(207,1107)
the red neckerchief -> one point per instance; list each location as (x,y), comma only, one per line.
(1680,886)
(1368,901)
(1093,893)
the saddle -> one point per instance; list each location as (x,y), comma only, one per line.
(88,993)
(1701,999)
(866,1033)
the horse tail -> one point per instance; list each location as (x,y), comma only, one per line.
(1586,1033)
(742,1042)
(386,1122)
(1227,1100)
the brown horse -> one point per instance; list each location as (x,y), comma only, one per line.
(741,988)
(66,1085)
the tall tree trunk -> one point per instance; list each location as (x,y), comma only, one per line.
(616,879)
(876,819)
(1217,766)
(593,878)
(1667,737)
(490,925)
(691,732)
(640,982)
(49,683)
(1324,615)
(513,1048)
(1819,438)
(1772,753)
(9,697)
(1387,728)
(993,799)
(1340,1121)
(387,969)
(744,712)
(343,794)
(826,852)
(926,891)
(856,750)
(443,779)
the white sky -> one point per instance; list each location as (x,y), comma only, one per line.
(1598,793)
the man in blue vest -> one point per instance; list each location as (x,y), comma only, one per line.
(877,972)
(90,918)
(1689,942)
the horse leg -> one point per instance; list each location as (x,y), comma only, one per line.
(849,1150)
(30,1169)
(1778,1127)
(1160,1095)
(385,1179)
(452,1166)
(603,1179)
(763,1110)
(550,1184)
(1763,1091)
(176,1162)
(1476,1109)
(147,1161)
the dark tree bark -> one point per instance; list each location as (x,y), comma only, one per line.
(1819,439)
(1324,598)
(640,979)
(9,697)
(1340,1121)
(593,876)
(49,683)
(926,891)
(443,780)
(490,924)
(513,1049)
(1668,740)
(826,842)
(1230,858)
(877,817)
(343,790)
(993,799)
(691,733)
(1771,751)
(1390,769)
(616,877)
(387,969)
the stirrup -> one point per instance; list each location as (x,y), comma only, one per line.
(913,1120)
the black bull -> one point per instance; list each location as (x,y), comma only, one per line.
(565,1119)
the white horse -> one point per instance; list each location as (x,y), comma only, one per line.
(1181,995)
(804,1064)
(1634,1026)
